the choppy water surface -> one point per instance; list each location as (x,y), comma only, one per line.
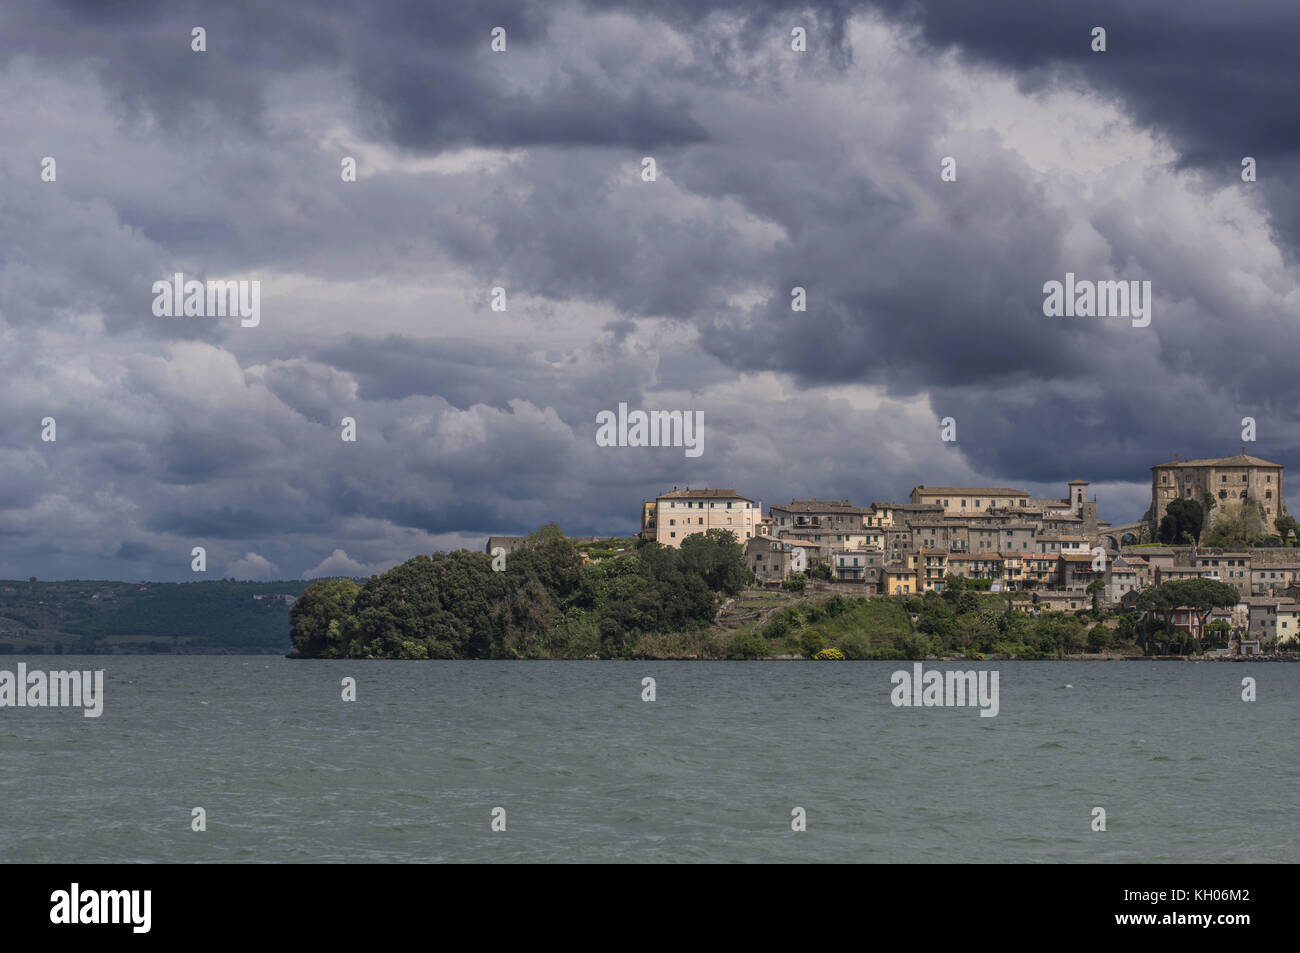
(710,771)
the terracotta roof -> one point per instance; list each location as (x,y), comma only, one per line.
(820,506)
(1240,460)
(971,490)
(702,494)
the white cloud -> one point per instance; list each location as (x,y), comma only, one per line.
(251,566)
(339,563)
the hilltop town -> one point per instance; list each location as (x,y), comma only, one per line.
(1006,540)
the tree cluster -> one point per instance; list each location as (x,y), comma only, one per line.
(545,603)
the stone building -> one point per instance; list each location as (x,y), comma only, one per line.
(1239,479)
(858,565)
(1121,577)
(772,560)
(968,500)
(1231,568)
(826,516)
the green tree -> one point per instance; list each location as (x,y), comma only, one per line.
(1095,589)
(811,643)
(1286,526)
(749,645)
(1217,633)
(1101,638)
(1239,525)
(1200,596)
(936,618)
(317,616)
(1182,522)
(718,558)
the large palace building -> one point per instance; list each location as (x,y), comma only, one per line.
(1228,479)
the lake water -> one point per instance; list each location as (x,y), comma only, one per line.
(709,771)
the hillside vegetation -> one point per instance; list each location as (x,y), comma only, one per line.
(545,604)
(86,616)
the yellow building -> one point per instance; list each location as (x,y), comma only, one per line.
(1288,622)
(930,566)
(898,579)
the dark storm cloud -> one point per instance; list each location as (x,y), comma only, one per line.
(443,517)
(421,74)
(224,522)
(774,173)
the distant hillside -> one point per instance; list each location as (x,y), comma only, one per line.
(77,616)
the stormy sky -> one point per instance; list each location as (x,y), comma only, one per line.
(522,170)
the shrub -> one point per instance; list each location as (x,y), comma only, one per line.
(832,654)
(855,646)
(749,645)
(811,643)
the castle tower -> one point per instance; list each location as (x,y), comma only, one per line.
(1084,508)
(1077,495)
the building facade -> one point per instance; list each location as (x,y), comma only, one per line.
(1238,479)
(679,513)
